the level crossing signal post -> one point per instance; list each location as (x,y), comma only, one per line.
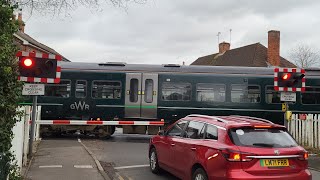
(288,81)
(38,68)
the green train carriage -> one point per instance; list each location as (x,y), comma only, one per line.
(141,92)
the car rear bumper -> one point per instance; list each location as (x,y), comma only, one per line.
(242,175)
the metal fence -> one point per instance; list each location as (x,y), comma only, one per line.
(305,129)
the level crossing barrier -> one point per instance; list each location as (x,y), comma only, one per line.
(95,122)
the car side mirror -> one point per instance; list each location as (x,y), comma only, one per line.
(161,133)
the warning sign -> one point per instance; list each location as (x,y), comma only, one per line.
(33,89)
(288,96)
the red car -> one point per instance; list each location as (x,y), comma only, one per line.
(200,147)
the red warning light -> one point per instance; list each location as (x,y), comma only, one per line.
(286,76)
(27,62)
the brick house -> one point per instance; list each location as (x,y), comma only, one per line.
(253,55)
(27,43)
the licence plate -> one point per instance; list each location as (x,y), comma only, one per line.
(274,162)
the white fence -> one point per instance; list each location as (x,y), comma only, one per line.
(20,142)
(305,128)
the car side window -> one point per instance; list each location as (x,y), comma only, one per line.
(177,129)
(212,132)
(194,130)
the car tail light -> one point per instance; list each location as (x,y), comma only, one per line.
(304,156)
(236,156)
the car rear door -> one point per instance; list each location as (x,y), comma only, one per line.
(268,151)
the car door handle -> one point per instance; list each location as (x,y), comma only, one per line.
(193,148)
(172,144)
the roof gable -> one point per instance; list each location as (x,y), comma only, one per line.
(26,38)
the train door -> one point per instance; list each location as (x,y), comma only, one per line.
(141,95)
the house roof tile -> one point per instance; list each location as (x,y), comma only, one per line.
(253,55)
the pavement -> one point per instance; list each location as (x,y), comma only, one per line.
(314,162)
(63,160)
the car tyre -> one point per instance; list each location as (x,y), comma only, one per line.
(199,174)
(153,161)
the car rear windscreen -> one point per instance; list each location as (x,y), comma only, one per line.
(273,138)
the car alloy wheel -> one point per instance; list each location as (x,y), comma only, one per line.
(154,161)
(199,177)
(199,174)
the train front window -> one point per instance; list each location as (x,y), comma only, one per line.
(245,94)
(58,90)
(175,91)
(311,95)
(211,92)
(81,89)
(106,89)
(272,96)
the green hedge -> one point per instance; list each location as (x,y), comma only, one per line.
(10,89)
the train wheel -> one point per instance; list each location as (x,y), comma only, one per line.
(105,132)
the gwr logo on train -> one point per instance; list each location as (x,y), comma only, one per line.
(80,105)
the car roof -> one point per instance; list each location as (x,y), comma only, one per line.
(234,121)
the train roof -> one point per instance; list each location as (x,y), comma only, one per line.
(123,67)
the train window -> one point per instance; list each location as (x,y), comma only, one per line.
(134,88)
(148,94)
(81,89)
(106,89)
(58,90)
(272,96)
(175,91)
(245,94)
(311,95)
(211,92)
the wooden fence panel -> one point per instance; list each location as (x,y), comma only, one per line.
(305,132)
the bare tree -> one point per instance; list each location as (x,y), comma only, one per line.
(305,56)
(57,7)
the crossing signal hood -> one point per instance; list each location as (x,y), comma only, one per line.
(37,67)
(290,79)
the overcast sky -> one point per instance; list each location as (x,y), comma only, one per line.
(173,31)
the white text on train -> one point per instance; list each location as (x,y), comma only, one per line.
(80,105)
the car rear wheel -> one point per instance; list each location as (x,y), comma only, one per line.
(153,159)
(199,174)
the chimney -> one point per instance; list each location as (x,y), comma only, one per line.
(274,48)
(20,22)
(223,47)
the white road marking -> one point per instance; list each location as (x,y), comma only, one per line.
(79,140)
(128,167)
(51,166)
(119,176)
(83,166)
